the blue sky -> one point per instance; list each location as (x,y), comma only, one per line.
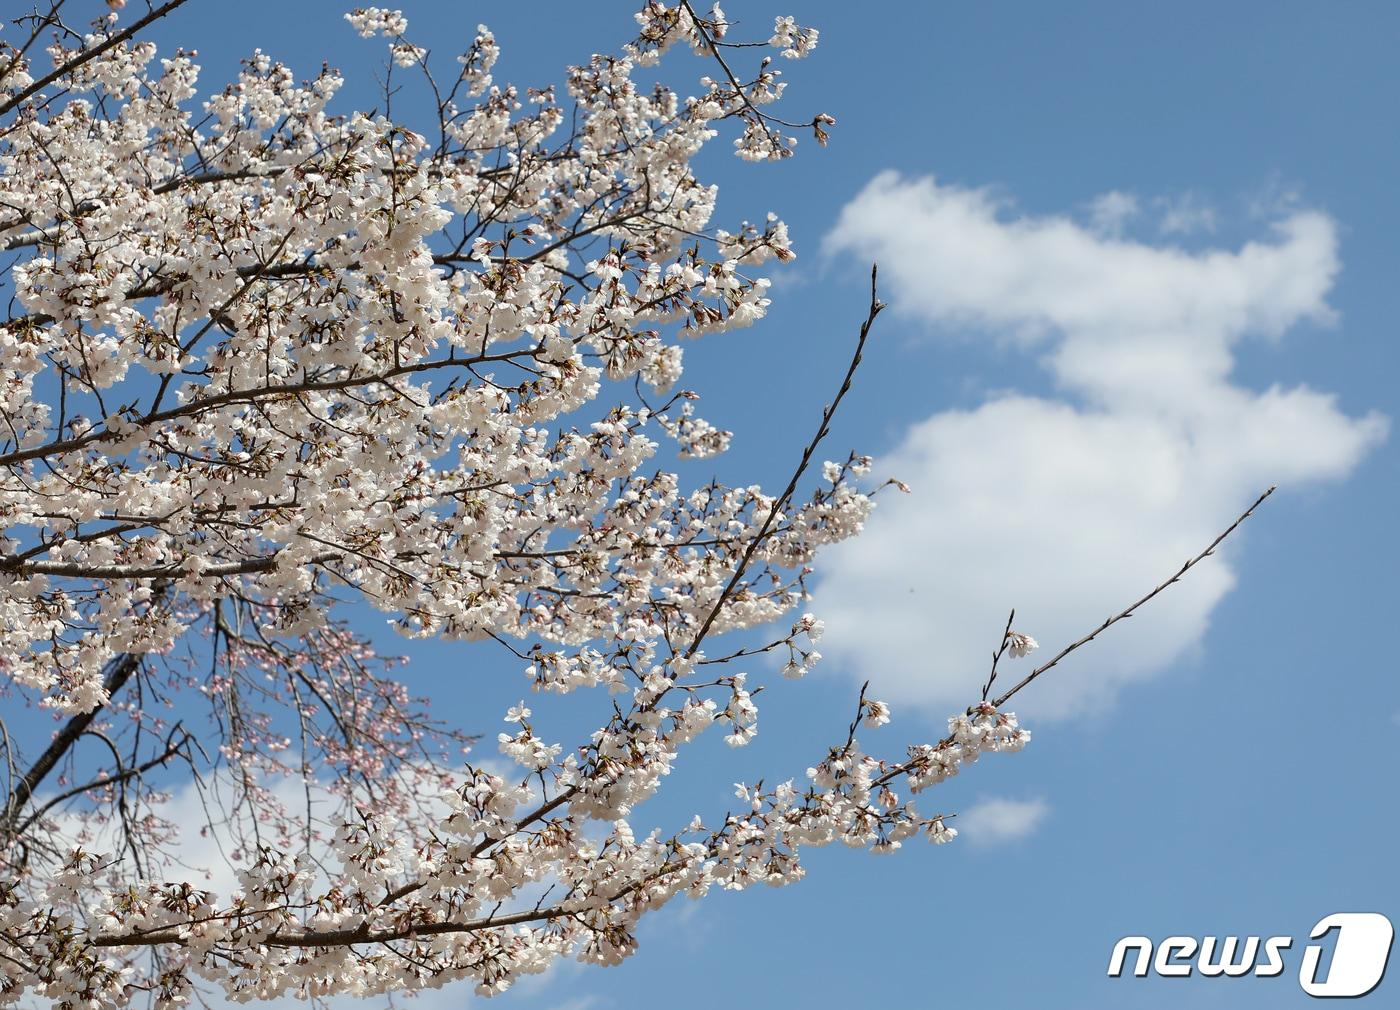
(1216,766)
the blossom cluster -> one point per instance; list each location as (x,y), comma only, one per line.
(265,358)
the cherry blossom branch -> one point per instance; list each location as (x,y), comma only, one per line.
(342,937)
(183,180)
(908,766)
(298,461)
(172,569)
(759,117)
(1128,611)
(173,747)
(996,656)
(39,22)
(828,413)
(121,670)
(781,501)
(88,55)
(251,395)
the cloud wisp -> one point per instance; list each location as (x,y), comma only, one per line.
(995,820)
(1068,507)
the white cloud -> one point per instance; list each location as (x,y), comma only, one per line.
(1185,214)
(1109,212)
(202,850)
(200,856)
(1070,508)
(1274,197)
(998,819)
(206,850)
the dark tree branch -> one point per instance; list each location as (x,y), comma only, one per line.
(119,671)
(1110,622)
(782,500)
(88,55)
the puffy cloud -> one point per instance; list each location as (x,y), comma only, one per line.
(206,850)
(953,258)
(1068,509)
(995,820)
(1109,212)
(202,852)
(1185,215)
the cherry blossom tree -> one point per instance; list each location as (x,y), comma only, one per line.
(265,364)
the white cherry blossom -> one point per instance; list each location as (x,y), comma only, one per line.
(267,358)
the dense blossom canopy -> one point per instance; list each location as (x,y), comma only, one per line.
(262,360)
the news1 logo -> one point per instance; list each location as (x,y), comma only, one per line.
(1360,952)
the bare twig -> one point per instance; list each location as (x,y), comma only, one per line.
(173,747)
(781,501)
(1110,622)
(947,741)
(996,656)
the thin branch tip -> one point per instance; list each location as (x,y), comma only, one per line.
(1129,611)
